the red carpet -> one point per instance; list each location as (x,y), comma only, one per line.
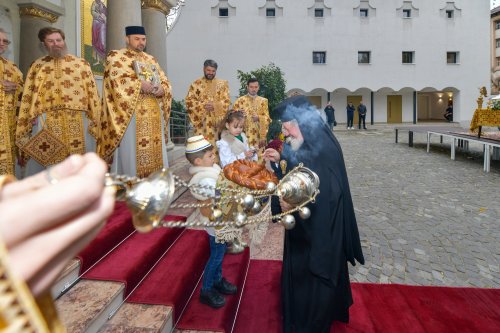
(130,262)
(174,278)
(199,316)
(117,228)
(260,308)
(380,308)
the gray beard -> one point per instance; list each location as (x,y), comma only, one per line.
(58,53)
(294,143)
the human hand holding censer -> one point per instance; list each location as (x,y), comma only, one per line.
(57,212)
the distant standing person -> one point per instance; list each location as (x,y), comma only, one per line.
(362,115)
(448,115)
(350,115)
(330,115)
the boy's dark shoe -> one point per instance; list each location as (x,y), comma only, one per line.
(212,298)
(225,287)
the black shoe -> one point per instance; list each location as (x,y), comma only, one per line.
(225,287)
(212,298)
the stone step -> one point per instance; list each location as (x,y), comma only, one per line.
(136,317)
(69,276)
(140,318)
(88,304)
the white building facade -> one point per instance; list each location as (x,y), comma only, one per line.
(407,60)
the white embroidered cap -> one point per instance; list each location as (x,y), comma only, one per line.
(196,144)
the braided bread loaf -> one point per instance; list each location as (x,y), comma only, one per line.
(249,174)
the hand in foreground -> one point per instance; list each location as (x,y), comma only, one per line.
(158,91)
(271,154)
(146,87)
(49,217)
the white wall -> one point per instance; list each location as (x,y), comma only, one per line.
(247,41)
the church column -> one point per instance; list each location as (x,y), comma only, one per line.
(121,13)
(33,18)
(154,20)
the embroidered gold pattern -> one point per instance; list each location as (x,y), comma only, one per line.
(8,105)
(200,92)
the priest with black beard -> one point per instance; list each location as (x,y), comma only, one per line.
(315,283)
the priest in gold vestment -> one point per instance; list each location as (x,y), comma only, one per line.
(11,85)
(207,102)
(136,109)
(59,108)
(257,111)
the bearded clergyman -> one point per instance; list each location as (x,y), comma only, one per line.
(315,285)
(136,109)
(207,102)
(11,85)
(60,98)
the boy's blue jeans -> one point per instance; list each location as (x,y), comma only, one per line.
(213,269)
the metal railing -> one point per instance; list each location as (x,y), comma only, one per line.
(179,127)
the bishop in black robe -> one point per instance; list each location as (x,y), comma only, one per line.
(315,278)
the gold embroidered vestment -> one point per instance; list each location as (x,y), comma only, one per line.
(62,88)
(123,99)
(200,93)
(8,105)
(255,131)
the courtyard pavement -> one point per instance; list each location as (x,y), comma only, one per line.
(424,219)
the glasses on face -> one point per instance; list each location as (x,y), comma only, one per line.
(5,41)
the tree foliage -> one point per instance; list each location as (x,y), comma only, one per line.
(272,86)
(178,121)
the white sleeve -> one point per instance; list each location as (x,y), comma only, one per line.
(208,182)
(226,156)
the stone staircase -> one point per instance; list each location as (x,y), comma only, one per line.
(88,303)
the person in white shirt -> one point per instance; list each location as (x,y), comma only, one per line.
(233,143)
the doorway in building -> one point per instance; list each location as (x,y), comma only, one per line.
(394,109)
(315,100)
(423,107)
(431,106)
(355,99)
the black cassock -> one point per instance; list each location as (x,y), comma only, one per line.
(315,278)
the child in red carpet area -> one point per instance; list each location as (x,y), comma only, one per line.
(205,171)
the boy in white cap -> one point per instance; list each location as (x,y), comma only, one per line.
(205,171)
